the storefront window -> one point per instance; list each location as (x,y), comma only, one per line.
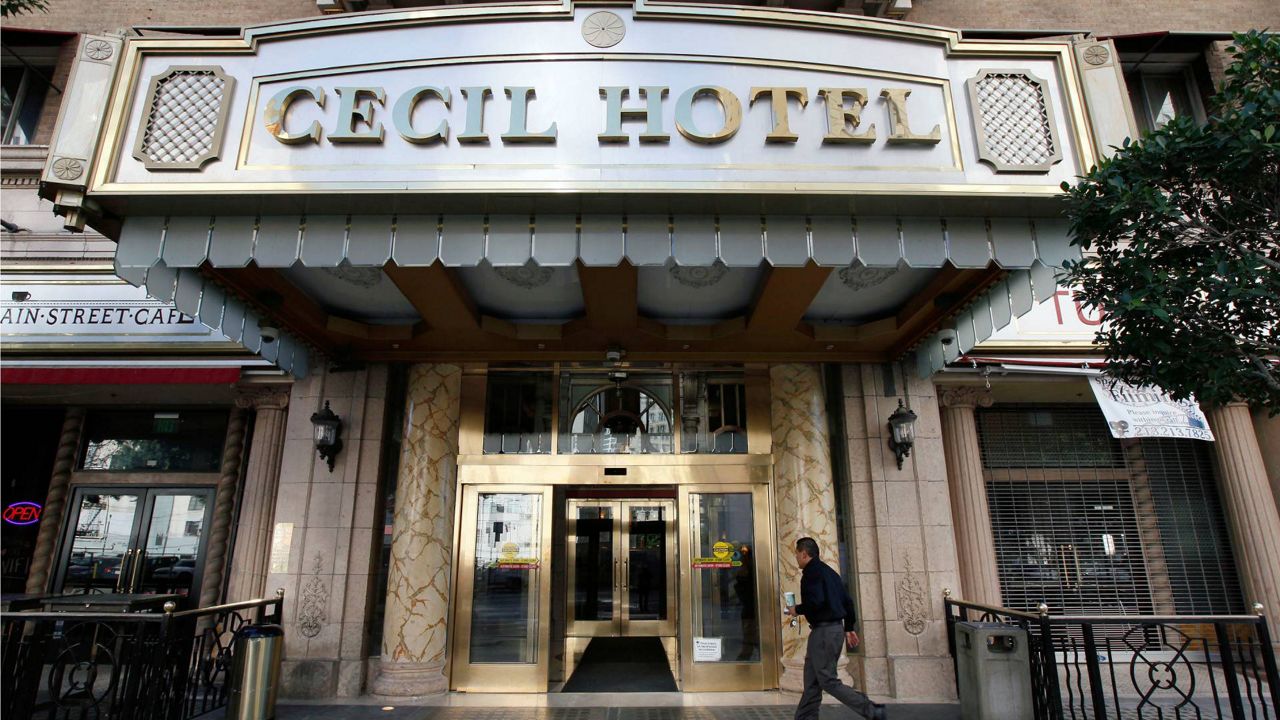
(26,464)
(713,409)
(508,567)
(517,416)
(726,625)
(616,413)
(154,440)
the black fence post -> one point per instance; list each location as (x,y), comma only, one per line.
(948,607)
(1095,673)
(1268,656)
(1229,669)
(1050,664)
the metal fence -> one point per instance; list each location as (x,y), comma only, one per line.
(1084,667)
(123,666)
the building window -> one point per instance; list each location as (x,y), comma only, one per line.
(1093,525)
(517,416)
(1158,97)
(713,412)
(24,83)
(154,440)
(616,412)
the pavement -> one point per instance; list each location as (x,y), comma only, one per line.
(601,711)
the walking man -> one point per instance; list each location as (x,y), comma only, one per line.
(827,606)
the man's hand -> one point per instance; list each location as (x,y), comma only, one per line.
(791,611)
(851,639)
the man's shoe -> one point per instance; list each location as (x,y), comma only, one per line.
(878,712)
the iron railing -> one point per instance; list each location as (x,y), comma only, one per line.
(123,666)
(1134,667)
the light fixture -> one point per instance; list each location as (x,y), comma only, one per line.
(328,434)
(902,432)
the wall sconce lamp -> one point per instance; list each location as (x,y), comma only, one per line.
(902,429)
(328,434)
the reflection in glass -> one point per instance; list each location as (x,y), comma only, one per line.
(173,544)
(102,535)
(517,416)
(646,563)
(154,441)
(713,412)
(616,413)
(724,574)
(508,563)
(593,563)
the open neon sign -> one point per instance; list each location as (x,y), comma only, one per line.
(24,512)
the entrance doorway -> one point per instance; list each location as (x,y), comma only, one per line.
(622,570)
(136,540)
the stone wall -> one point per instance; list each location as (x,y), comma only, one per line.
(903,540)
(332,518)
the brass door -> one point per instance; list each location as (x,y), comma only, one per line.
(728,615)
(622,559)
(503,601)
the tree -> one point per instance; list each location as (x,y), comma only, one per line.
(11,8)
(1181,240)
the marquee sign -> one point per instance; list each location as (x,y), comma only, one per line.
(549,97)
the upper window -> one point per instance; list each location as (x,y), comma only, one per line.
(25,74)
(1158,97)
(517,416)
(154,440)
(617,414)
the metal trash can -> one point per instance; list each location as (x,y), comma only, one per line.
(255,673)
(993,663)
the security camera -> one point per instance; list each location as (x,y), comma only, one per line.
(269,333)
(947,336)
(613,355)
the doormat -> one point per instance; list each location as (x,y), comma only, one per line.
(635,664)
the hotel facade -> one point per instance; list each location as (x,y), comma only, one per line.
(612,303)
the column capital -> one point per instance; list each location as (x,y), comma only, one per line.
(965,396)
(262,397)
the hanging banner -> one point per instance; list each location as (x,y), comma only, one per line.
(1138,412)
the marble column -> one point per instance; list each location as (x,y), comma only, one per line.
(414,642)
(249,560)
(1251,511)
(215,559)
(804,490)
(55,501)
(975,544)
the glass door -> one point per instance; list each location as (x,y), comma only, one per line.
(148,540)
(648,567)
(503,612)
(728,629)
(621,557)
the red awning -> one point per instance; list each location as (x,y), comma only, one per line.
(118,376)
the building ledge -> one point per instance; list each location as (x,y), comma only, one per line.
(23,159)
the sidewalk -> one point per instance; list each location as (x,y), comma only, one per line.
(601,709)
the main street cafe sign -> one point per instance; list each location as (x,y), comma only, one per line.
(552,98)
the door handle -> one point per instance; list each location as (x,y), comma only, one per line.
(124,569)
(626,573)
(138,557)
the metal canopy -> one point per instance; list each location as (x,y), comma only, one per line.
(162,254)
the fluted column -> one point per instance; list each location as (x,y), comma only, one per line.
(55,501)
(1251,510)
(215,561)
(252,553)
(414,642)
(970,513)
(803,489)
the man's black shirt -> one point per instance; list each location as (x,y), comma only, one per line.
(823,597)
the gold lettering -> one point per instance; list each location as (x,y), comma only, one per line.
(518,130)
(356,106)
(402,115)
(842,120)
(277,111)
(900,125)
(778,97)
(729,105)
(615,114)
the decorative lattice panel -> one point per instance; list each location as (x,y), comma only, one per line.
(186,111)
(1014,120)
